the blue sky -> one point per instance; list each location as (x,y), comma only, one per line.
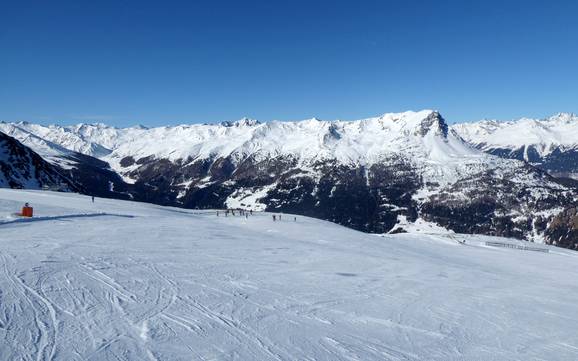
(168,62)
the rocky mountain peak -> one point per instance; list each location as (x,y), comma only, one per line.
(241,122)
(434,122)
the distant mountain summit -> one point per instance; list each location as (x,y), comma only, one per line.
(376,174)
(550,144)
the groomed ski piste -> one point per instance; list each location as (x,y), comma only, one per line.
(116,280)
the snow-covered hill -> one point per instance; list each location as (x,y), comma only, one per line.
(120,280)
(370,174)
(551,143)
(21,167)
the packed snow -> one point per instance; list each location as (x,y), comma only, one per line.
(419,226)
(116,280)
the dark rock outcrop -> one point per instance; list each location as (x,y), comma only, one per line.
(563,229)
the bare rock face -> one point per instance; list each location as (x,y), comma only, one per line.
(434,122)
(563,229)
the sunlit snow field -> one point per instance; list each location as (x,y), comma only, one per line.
(118,280)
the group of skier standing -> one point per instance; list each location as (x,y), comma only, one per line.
(247,213)
(240,212)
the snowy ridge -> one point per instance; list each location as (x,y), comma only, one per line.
(21,167)
(559,131)
(421,136)
(362,140)
(50,151)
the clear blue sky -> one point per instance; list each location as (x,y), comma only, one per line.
(167,62)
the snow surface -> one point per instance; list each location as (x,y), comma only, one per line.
(546,135)
(119,280)
(420,226)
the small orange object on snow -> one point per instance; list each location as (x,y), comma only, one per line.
(27,211)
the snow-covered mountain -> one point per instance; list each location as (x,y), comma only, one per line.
(20,167)
(117,280)
(362,142)
(550,144)
(421,137)
(93,174)
(374,174)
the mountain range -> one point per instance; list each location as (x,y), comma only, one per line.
(377,175)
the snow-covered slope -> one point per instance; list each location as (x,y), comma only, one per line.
(120,280)
(550,143)
(50,151)
(77,138)
(21,167)
(92,174)
(545,134)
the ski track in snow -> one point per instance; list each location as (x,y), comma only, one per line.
(119,280)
